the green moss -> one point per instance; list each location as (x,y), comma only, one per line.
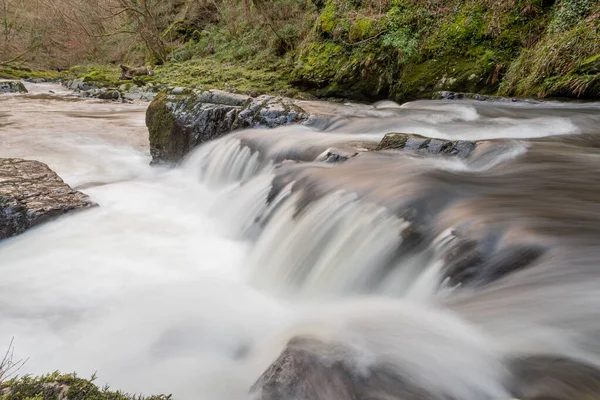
(102,76)
(393,141)
(160,122)
(55,385)
(25,73)
(320,63)
(329,18)
(362,28)
(143,80)
(204,73)
(397,49)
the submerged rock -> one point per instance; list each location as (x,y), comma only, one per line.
(407,141)
(334,155)
(31,193)
(7,86)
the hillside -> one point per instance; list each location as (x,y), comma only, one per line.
(365,49)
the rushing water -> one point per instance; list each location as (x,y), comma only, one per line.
(190,280)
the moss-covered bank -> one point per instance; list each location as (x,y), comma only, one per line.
(371,49)
(410,48)
(403,49)
(202,74)
(57,386)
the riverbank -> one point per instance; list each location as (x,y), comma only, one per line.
(361,50)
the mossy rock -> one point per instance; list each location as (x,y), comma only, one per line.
(161,126)
(12,87)
(393,141)
(425,145)
(110,94)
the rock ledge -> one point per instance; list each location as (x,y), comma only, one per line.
(31,193)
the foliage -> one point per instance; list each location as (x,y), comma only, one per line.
(67,386)
(358,48)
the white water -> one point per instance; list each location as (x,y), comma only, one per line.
(166,285)
(143,289)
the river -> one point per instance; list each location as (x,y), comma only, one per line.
(180,275)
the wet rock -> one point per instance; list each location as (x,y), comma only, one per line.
(556,378)
(421,144)
(309,369)
(178,123)
(447,95)
(178,90)
(7,86)
(333,155)
(110,94)
(31,193)
(479,262)
(80,85)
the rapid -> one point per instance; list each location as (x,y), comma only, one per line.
(416,276)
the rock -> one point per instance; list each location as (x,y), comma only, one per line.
(447,95)
(132,96)
(31,193)
(81,85)
(309,369)
(421,144)
(148,96)
(110,94)
(178,123)
(178,90)
(554,377)
(76,84)
(7,86)
(333,155)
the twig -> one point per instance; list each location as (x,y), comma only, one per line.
(8,367)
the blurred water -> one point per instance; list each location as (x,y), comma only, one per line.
(191,280)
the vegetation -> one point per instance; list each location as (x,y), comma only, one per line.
(58,386)
(352,48)
(55,386)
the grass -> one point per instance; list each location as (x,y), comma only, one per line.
(7,72)
(202,73)
(64,386)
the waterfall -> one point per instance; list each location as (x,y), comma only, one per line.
(401,273)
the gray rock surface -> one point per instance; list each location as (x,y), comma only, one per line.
(421,144)
(178,123)
(31,193)
(125,92)
(309,369)
(9,86)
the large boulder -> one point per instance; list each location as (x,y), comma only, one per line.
(8,86)
(31,193)
(309,369)
(178,122)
